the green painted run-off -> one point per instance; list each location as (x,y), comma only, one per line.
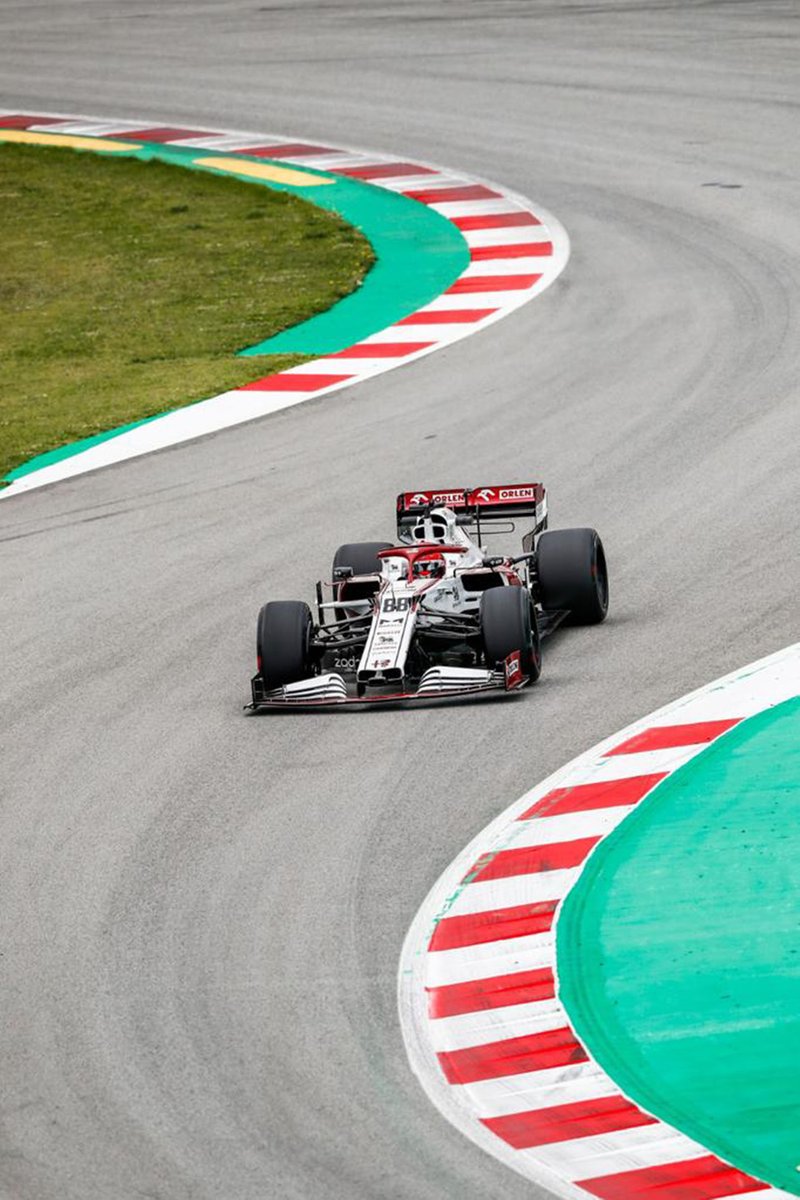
(418,254)
(679,949)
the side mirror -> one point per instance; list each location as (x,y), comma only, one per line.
(343,573)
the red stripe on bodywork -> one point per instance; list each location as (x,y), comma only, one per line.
(495,221)
(384,170)
(381,349)
(704,1178)
(499,991)
(492,283)
(448,316)
(446,195)
(585,796)
(292,383)
(514,250)
(664,737)
(512,1056)
(287,150)
(529,860)
(562,1122)
(473,929)
(163,133)
(25,120)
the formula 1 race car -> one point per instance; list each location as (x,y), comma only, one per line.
(435,615)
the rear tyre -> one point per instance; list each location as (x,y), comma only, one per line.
(283,637)
(572,574)
(508,623)
(361,557)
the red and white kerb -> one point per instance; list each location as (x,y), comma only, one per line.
(485,1030)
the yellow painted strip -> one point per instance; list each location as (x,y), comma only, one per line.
(238,166)
(68,140)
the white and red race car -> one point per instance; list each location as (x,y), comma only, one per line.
(435,615)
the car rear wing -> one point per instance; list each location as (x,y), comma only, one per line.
(498,502)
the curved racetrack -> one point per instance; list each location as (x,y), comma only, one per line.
(201,914)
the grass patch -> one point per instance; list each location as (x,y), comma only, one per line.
(128,286)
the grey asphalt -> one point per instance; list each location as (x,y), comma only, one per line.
(201,913)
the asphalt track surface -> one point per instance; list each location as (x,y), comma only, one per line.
(200,913)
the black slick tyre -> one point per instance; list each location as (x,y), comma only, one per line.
(360,557)
(508,623)
(572,574)
(282,642)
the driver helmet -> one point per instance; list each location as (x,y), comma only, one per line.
(429,568)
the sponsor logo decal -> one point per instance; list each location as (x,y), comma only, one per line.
(513,669)
(345,663)
(520,493)
(418,498)
(496,495)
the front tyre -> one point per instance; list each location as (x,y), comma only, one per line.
(360,557)
(572,574)
(283,637)
(508,624)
